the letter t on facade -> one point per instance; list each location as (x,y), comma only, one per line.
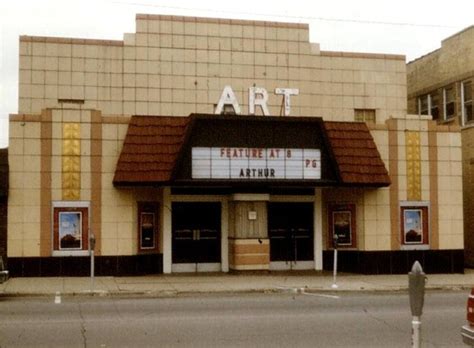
(286,92)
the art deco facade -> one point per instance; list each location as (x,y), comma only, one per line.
(215,145)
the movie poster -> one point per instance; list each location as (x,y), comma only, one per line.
(70,231)
(342,223)
(413,226)
(342,227)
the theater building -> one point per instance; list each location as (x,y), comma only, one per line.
(440,85)
(198,145)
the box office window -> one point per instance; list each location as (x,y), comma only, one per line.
(70,229)
(414,225)
(147,226)
(342,223)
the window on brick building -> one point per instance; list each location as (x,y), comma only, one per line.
(467,102)
(449,102)
(434,105)
(428,104)
(364,115)
(424,105)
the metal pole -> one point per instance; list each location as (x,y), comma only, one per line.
(415,332)
(92,248)
(334,285)
(92,270)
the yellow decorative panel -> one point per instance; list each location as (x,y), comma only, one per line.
(71,147)
(71,164)
(413,158)
(71,181)
(71,131)
(71,161)
(72,195)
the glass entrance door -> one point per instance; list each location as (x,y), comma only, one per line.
(290,229)
(196,233)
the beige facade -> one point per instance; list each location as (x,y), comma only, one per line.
(179,65)
(450,68)
(76,98)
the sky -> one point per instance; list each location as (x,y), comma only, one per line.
(408,27)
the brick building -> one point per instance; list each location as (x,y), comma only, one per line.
(215,145)
(440,84)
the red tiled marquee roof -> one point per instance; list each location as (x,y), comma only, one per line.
(152,144)
(356,154)
(150,149)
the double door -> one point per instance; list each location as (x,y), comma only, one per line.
(290,230)
(196,233)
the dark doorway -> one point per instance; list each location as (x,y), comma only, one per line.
(196,232)
(290,229)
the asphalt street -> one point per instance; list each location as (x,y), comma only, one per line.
(244,320)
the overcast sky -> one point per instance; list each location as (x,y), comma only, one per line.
(412,28)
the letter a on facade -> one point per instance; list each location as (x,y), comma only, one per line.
(227,98)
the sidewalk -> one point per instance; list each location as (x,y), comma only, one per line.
(170,285)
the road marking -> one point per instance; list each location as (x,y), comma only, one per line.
(57,298)
(303,291)
(322,295)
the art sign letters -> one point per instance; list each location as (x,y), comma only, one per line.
(258,97)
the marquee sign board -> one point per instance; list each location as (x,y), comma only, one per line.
(255,163)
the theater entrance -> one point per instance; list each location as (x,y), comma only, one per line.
(196,237)
(290,230)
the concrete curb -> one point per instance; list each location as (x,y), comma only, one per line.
(272,290)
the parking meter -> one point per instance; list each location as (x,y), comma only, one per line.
(334,240)
(416,289)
